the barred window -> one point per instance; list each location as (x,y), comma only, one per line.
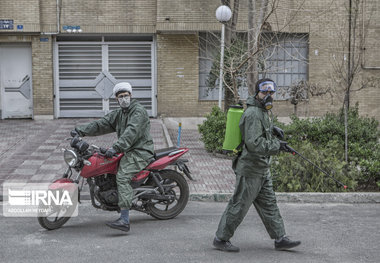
(285,60)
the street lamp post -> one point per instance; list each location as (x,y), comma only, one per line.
(223,14)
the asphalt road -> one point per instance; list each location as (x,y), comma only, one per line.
(329,233)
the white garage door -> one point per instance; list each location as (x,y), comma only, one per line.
(87,72)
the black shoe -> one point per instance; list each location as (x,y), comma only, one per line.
(285,244)
(119,224)
(225,246)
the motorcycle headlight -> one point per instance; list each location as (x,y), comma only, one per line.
(70,158)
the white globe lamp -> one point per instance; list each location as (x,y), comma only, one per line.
(223,13)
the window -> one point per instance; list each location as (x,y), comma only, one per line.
(284,60)
(209,46)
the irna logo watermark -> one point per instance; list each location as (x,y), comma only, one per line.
(39,197)
(32,199)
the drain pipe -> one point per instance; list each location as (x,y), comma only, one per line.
(58,21)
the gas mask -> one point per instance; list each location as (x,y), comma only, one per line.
(124,102)
(267,102)
(270,88)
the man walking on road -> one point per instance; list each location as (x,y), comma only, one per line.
(252,169)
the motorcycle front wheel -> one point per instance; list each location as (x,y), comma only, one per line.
(57,218)
(176,187)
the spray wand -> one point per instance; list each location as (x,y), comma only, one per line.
(294,152)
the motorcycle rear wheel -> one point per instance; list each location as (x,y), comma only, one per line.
(169,209)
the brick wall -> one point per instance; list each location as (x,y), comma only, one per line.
(111,16)
(48,16)
(42,70)
(177,76)
(23,12)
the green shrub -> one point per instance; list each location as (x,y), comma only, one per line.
(363,148)
(212,130)
(331,127)
(321,140)
(293,174)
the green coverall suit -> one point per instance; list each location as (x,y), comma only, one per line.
(132,126)
(253,179)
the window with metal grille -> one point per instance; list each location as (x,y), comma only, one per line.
(284,59)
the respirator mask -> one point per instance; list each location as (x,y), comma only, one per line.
(124,101)
(269,88)
(267,102)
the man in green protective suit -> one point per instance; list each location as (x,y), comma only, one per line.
(132,125)
(252,169)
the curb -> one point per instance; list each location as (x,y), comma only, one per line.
(166,134)
(313,198)
(305,198)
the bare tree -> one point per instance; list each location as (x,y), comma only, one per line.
(244,55)
(255,24)
(303,90)
(347,65)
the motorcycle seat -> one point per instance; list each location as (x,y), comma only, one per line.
(164,152)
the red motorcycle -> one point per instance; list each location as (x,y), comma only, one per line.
(160,192)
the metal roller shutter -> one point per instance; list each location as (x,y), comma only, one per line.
(84,69)
(133,63)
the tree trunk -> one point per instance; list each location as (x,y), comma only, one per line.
(345,107)
(230,32)
(254,30)
(252,62)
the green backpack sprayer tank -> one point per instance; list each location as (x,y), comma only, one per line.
(232,138)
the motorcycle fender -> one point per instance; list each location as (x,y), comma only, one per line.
(181,164)
(65,184)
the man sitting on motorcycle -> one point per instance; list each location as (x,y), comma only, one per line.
(132,125)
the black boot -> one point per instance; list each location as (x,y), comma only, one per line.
(119,224)
(285,244)
(225,246)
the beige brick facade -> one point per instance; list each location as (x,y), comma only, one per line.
(177,76)
(176,25)
(25,12)
(42,70)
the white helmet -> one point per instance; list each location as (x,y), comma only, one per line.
(122,87)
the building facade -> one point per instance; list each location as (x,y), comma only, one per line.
(60,58)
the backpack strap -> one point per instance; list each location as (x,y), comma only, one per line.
(238,148)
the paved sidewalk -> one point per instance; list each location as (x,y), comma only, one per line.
(213,175)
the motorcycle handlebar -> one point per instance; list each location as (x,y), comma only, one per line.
(102,150)
(81,145)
